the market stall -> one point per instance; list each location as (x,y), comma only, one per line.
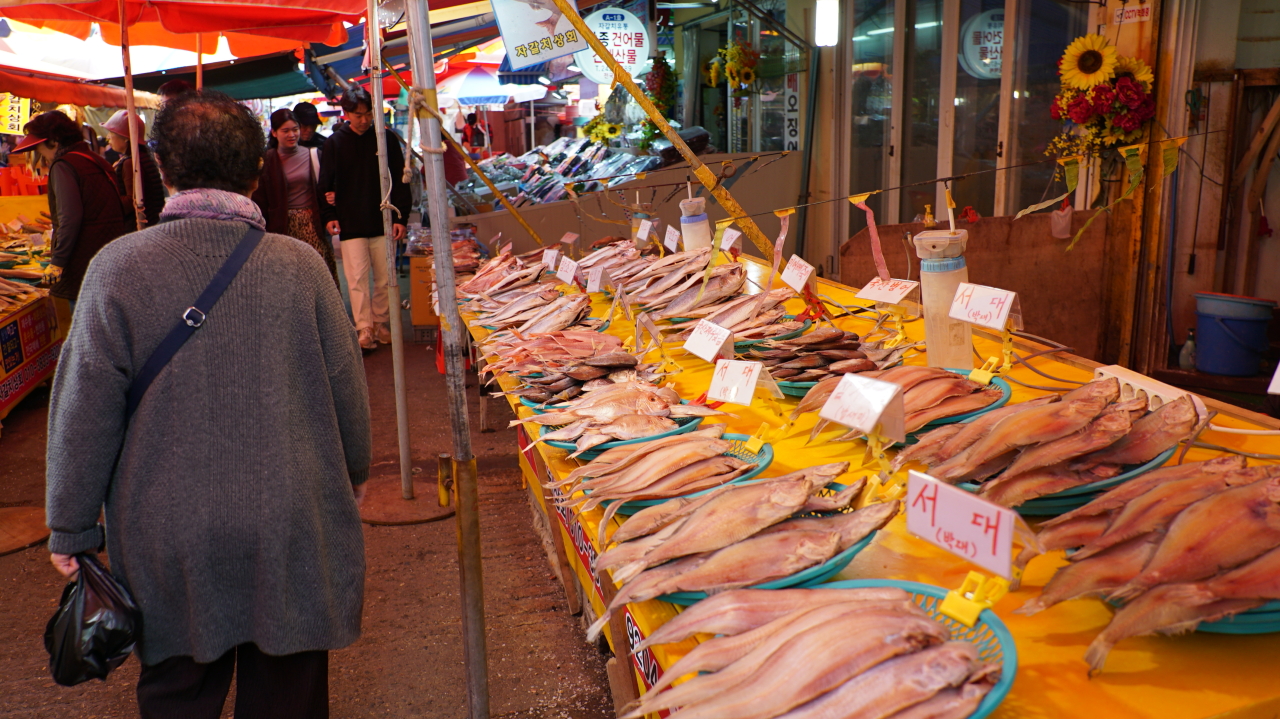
(32,323)
(1199,674)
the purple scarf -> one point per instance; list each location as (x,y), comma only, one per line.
(209,204)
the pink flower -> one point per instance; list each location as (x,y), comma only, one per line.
(1129,92)
(1080,110)
(1103,98)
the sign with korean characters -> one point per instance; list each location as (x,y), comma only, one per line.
(863,404)
(672,241)
(961,523)
(506,248)
(551,258)
(710,341)
(797,273)
(625,37)
(982,44)
(568,272)
(888,291)
(535,32)
(642,231)
(569,238)
(730,238)
(1125,15)
(735,382)
(597,279)
(985,306)
(17,111)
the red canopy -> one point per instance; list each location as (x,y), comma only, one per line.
(67,90)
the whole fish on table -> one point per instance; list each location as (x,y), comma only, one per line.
(1096,576)
(1151,435)
(951,407)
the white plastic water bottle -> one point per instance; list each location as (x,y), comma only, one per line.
(942,269)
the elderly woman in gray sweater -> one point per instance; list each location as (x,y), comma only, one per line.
(231,493)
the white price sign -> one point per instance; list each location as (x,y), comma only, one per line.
(961,523)
(673,239)
(982,305)
(568,272)
(797,273)
(550,258)
(493,242)
(734,381)
(569,238)
(506,248)
(729,238)
(710,341)
(890,291)
(642,232)
(598,279)
(1275,382)
(861,403)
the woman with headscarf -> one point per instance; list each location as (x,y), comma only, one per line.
(152,187)
(86,203)
(287,193)
(230,485)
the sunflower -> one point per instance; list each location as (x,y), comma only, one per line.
(1135,68)
(612,130)
(747,75)
(1088,61)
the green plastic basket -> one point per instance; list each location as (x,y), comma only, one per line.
(748,344)
(1261,620)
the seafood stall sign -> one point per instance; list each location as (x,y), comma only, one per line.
(598,279)
(626,38)
(729,239)
(551,258)
(672,241)
(890,291)
(797,273)
(961,523)
(985,306)
(535,31)
(734,381)
(862,403)
(710,341)
(568,272)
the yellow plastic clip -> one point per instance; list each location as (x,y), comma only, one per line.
(975,594)
(987,372)
(1008,350)
(757,440)
(898,313)
(876,445)
(894,488)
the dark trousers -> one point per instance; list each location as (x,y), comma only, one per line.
(295,686)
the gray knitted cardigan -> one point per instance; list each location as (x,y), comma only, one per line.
(228,498)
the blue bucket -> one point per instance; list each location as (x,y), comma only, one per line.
(1231,333)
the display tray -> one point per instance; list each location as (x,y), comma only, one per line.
(748,344)
(683,425)
(810,577)
(762,460)
(1052,505)
(1261,620)
(993,639)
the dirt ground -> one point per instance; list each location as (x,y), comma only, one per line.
(408,661)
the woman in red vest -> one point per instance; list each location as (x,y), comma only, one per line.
(85,200)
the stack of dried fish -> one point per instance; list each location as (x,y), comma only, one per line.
(824,352)
(625,410)
(620,260)
(1044,446)
(674,285)
(534,315)
(592,373)
(549,353)
(929,394)
(735,537)
(817,654)
(1180,545)
(21,274)
(750,317)
(17,294)
(504,272)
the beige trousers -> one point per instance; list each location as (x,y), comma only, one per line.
(359,255)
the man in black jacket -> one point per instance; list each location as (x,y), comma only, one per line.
(349,178)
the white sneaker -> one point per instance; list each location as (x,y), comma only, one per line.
(384,334)
(366,340)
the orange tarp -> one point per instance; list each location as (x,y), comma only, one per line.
(68,91)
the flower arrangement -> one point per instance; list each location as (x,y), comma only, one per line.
(737,64)
(601,130)
(1105,99)
(660,86)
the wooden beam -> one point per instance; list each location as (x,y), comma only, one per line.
(1255,145)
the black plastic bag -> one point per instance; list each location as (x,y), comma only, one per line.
(95,627)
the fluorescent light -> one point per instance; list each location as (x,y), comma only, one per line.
(926,24)
(826,27)
(881,31)
(1015,94)
(860,38)
(544,80)
(574,68)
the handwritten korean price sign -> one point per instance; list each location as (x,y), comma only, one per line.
(729,239)
(961,523)
(861,403)
(797,273)
(734,381)
(642,232)
(889,291)
(569,238)
(506,248)
(551,258)
(672,241)
(598,279)
(568,272)
(710,341)
(981,305)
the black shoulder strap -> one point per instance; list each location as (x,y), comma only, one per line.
(192,319)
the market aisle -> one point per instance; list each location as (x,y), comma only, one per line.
(408,661)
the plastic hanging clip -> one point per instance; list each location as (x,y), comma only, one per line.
(987,372)
(978,592)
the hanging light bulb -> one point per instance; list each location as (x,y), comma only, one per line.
(826,28)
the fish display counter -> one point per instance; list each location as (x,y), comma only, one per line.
(1198,674)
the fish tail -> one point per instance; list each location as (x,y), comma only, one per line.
(593,631)
(1127,592)
(1096,656)
(603,535)
(629,571)
(1035,606)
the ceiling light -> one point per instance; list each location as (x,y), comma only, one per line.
(826,28)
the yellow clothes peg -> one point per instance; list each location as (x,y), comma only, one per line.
(978,592)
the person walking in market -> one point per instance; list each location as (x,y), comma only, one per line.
(349,180)
(230,484)
(86,203)
(288,190)
(308,124)
(152,187)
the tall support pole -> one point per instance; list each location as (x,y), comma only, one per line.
(468,508)
(139,208)
(393,274)
(199,61)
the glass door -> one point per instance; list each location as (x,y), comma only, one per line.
(975,143)
(872,144)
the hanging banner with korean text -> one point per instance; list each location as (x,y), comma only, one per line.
(535,31)
(627,39)
(17,111)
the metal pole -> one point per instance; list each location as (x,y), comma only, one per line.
(468,507)
(393,274)
(139,208)
(199,61)
(533,118)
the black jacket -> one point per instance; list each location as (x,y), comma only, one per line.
(349,168)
